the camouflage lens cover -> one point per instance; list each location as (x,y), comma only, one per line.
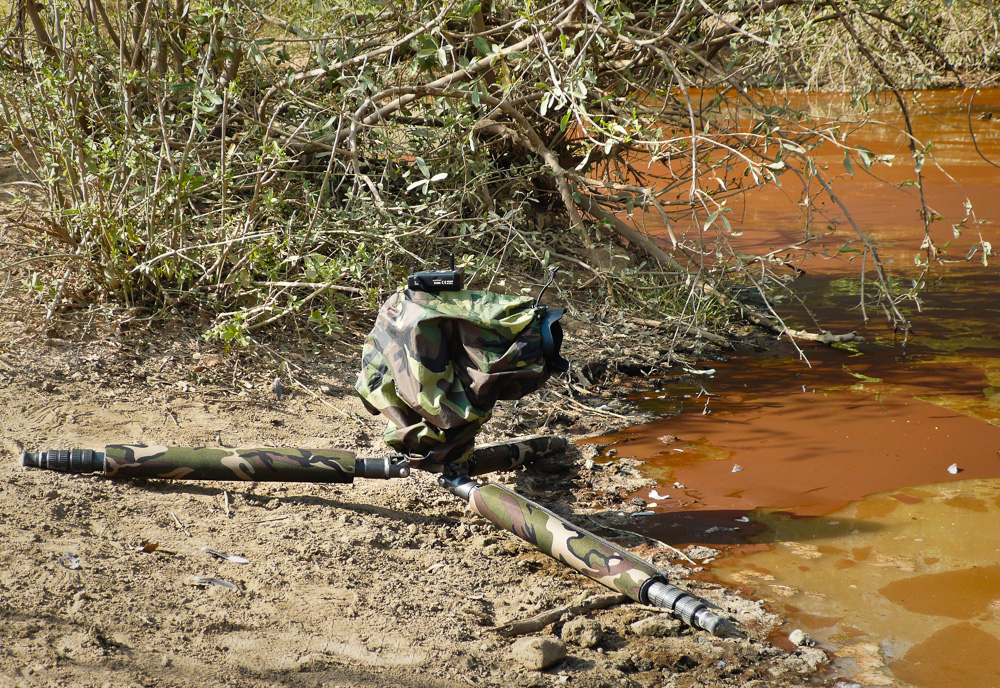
(126,461)
(579,549)
(435,364)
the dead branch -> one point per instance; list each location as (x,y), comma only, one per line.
(543,619)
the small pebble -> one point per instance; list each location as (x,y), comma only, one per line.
(800,637)
(582,632)
(538,653)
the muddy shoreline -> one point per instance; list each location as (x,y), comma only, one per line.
(380,583)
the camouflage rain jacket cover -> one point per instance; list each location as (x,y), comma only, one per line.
(435,364)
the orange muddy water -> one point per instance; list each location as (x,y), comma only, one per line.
(860,497)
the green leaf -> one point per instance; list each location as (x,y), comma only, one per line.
(211,96)
(469,8)
(482,46)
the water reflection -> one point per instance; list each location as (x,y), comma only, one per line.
(772,218)
(847,494)
(810,440)
(920,582)
(860,496)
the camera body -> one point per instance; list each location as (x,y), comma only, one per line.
(435,281)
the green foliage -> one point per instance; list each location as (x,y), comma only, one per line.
(292,162)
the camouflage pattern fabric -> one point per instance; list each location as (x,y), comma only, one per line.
(124,461)
(435,364)
(594,557)
(509,454)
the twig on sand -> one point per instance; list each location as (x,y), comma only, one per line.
(587,409)
(321,399)
(270,520)
(579,606)
(179,524)
(59,291)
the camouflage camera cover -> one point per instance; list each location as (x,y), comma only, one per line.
(436,364)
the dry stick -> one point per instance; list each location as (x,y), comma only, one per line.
(55,300)
(222,169)
(137,51)
(270,520)
(107,22)
(770,308)
(322,186)
(180,525)
(352,138)
(972,133)
(324,287)
(925,214)
(590,205)
(679,325)
(320,399)
(861,295)
(588,409)
(39,25)
(25,148)
(258,183)
(312,285)
(291,28)
(883,281)
(190,142)
(540,621)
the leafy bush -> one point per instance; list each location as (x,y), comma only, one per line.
(295,161)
